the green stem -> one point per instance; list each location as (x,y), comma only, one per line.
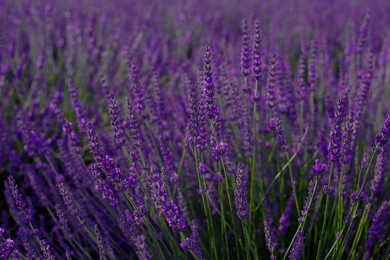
(324,223)
(205,206)
(359,232)
(275,179)
(303,223)
(253,166)
(292,183)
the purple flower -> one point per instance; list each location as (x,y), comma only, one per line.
(307,206)
(363,33)
(297,248)
(348,139)
(47,253)
(115,114)
(240,193)
(311,71)
(24,213)
(279,132)
(80,112)
(284,221)
(196,134)
(99,240)
(160,198)
(301,75)
(383,136)
(192,242)
(257,52)
(336,132)
(208,86)
(269,239)
(135,131)
(7,245)
(66,197)
(378,182)
(318,168)
(245,50)
(203,168)
(272,81)
(377,230)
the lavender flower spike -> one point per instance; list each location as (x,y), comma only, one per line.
(383,136)
(240,193)
(257,52)
(192,242)
(208,87)
(336,133)
(297,248)
(245,50)
(115,115)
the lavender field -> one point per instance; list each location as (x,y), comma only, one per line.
(194,129)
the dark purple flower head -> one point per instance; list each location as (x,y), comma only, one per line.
(115,114)
(284,221)
(312,66)
(297,248)
(384,134)
(7,245)
(135,131)
(272,81)
(279,132)
(217,178)
(208,86)
(377,230)
(348,139)
(257,52)
(46,251)
(80,112)
(378,182)
(161,200)
(245,50)
(66,197)
(196,133)
(241,193)
(94,146)
(203,168)
(269,238)
(24,212)
(307,206)
(192,243)
(363,33)
(99,240)
(318,168)
(336,132)
(301,77)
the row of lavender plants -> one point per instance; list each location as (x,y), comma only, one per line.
(194,129)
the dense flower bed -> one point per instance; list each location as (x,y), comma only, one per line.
(190,129)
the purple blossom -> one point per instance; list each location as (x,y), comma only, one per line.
(348,139)
(257,52)
(192,243)
(240,193)
(7,245)
(284,221)
(245,50)
(318,168)
(336,132)
(377,230)
(384,134)
(297,248)
(162,202)
(378,181)
(208,86)
(24,213)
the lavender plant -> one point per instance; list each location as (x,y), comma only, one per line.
(194,129)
